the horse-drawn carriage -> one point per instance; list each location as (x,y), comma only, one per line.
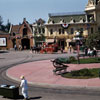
(45,48)
(49,48)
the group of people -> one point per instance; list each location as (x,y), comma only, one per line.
(18,48)
(90,52)
(35,49)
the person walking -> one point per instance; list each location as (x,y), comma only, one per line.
(61,49)
(15,47)
(94,52)
(86,51)
(24,87)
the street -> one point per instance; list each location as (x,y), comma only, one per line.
(12,58)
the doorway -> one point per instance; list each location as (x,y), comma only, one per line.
(14,42)
(25,43)
(61,43)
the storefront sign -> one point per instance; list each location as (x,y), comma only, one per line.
(3,42)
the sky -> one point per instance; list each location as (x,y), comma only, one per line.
(16,10)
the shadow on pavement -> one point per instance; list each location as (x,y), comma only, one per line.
(1,51)
(31,98)
(16,98)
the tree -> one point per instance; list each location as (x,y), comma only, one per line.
(93,40)
(7,27)
(1,20)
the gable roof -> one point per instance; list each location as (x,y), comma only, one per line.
(15,28)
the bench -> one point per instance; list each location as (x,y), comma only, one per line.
(59,67)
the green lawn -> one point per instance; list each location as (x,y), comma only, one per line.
(83,73)
(87,60)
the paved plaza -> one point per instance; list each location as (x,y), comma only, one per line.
(38,70)
(41,73)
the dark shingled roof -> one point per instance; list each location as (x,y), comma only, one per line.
(56,17)
(66,14)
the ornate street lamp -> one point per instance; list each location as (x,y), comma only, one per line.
(77,39)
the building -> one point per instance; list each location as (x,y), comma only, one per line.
(39,32)
(67,28)
(22,35)
(5,42)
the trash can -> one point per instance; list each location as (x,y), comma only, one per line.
(9,91)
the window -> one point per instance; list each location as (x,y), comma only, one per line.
(81,30)
(43,30)
(39,30)
(59,31)
(72,30)
(51,31)
(63,31)
(24,31)
(98,29)
(24,25)
(92,30)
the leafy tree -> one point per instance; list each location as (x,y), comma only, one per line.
(1,20)
(7,27)
(93,40)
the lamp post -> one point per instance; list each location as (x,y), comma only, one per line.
(77,39)
(78,50)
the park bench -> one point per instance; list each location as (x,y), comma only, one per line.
(59,67)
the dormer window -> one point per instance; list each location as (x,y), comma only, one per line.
(61,21)
(72,20)
(51,22)
(81,20)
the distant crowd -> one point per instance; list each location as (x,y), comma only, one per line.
(90,52)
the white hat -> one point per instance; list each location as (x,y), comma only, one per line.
(22,77)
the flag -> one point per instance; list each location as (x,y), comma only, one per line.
(65,25)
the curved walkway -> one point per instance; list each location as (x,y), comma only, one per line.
(41,73)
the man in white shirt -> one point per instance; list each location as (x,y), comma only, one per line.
(24,87)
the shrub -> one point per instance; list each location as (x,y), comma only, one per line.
(72,58)
(83,73)
(62,60)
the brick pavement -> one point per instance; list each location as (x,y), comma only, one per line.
(41,73)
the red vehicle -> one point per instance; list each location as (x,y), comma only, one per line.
(49,48)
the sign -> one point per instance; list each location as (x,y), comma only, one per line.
(3,42)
